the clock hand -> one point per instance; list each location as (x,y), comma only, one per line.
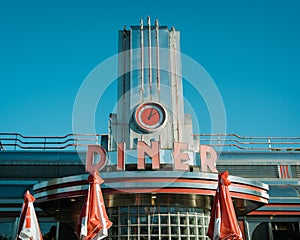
(151,114)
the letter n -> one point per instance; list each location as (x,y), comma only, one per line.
(152,152)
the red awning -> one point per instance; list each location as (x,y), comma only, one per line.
(223,222)
(93,222)
(28,226)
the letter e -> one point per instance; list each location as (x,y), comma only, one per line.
(180,157)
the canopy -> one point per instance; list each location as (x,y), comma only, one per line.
(93,222)
(223,222)
(28,226)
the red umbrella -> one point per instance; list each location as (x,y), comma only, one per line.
(223,222)
(93,221)
(28,226)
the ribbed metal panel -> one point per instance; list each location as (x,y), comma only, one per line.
(41,172)
(251,171)
(295,171)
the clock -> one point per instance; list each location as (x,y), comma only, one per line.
(150,117)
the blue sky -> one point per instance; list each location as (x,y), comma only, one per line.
(251,50)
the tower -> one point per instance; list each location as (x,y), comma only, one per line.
(150,100)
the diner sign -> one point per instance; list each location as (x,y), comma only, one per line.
(180,155)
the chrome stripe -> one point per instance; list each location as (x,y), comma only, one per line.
(60,190)
(151,174)
(122,186)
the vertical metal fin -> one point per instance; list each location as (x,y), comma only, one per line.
(150,57)
(142,57)
(157,58)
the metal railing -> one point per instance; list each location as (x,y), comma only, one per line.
(225,142)
(234,142)
(16,141)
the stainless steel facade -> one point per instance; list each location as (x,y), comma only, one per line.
(54,167)
(146,201)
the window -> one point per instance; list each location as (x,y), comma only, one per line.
(279,230)
(158,222)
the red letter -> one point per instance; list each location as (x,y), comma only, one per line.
(180,157)
(92,150)
(121,156)
(209,158)
(152,152)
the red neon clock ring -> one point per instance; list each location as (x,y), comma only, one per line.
(150,116)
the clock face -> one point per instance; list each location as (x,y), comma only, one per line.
(150,116)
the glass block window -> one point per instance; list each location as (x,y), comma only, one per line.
(158,222)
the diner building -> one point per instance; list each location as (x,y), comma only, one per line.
(159,175)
